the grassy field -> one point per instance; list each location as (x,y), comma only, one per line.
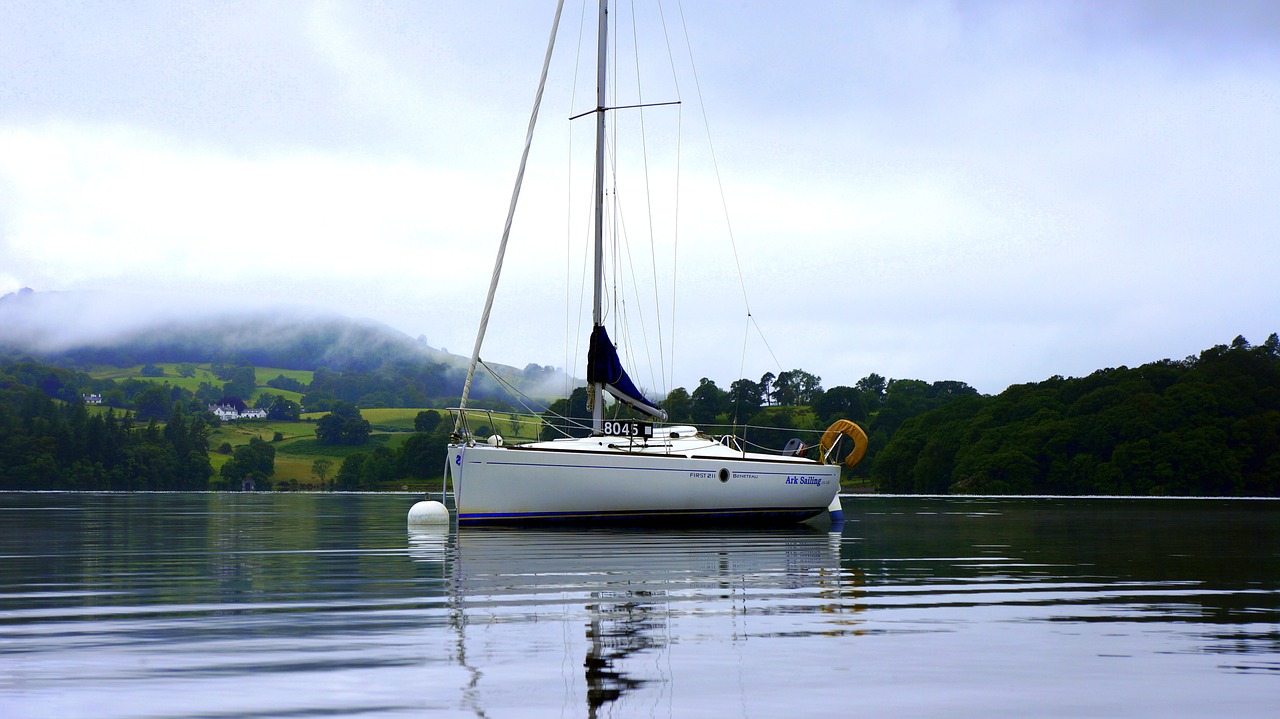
(509,425)
(238,433)
(312,448)
(203,374)
(170,376)
(398,418)
(297,450)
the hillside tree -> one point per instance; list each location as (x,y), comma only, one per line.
(343,425)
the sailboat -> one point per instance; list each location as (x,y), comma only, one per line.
(630,470)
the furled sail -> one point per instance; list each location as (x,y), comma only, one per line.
(603,366)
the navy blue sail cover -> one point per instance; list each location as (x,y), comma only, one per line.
(604,366)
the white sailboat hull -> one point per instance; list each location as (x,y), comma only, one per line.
(550,481)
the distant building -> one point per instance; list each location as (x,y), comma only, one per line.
(224,412)
(227,413)
(93,399)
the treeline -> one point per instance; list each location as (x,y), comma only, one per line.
(50,440)
(56,445)
(770,411)
(1204,426)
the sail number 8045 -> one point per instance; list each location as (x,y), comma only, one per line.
(628,428)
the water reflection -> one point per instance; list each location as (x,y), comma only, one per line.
(1225,554)
(213,605)
(630,592)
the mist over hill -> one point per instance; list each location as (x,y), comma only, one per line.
(83,329)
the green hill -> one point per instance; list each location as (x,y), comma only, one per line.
(363,358)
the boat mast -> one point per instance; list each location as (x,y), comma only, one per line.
(597,309)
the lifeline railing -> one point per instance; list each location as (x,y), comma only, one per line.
(471,423)
(496,422)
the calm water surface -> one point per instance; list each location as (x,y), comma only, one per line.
(314,605)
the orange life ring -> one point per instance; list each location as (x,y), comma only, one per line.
(852,431)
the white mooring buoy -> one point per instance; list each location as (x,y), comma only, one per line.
(836,510)
(428,512)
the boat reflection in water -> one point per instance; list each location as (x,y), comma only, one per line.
(610,617)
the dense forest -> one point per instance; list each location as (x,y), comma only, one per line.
(1206,425)
(60,445)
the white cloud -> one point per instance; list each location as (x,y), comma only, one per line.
(991,193)
(90,201)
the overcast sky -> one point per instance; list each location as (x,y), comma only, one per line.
(993,192)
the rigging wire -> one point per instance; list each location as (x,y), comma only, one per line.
(511,211)
(624,285)
(622,245)
(750,318)
(669,382)
(569,333)
(623,261)
(539,411)
(765,340)
(724,205)
(648,194)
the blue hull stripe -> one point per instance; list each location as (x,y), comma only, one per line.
(670,515)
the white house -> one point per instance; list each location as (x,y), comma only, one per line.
(226,412)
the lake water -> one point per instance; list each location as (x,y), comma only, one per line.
(319,605)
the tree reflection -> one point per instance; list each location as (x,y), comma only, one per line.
(624,624)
